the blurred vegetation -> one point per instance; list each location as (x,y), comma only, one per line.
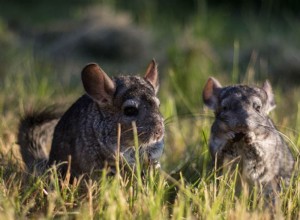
(44,44)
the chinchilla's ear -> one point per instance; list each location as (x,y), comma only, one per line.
(97,84)
(210,93)
(152,75)
(270,96)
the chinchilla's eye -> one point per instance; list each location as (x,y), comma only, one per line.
(130,108)
(257,104)
(257,107)
(131,111)
(225,108)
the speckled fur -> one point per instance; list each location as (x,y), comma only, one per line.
(89,133)
(244,134)
(88,130)
(35,136)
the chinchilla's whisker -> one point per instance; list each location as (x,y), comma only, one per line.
(295,131)
(131,129)
(197,116)
(295,148)
(272,129)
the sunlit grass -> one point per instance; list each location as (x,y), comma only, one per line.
(186,187)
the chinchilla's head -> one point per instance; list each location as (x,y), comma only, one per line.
(123,100)
(240,108)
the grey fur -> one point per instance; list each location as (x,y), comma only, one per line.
(243,132)
(88,130)
(35,136)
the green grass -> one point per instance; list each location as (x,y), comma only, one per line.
(186,187)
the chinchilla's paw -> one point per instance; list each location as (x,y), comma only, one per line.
(156,165)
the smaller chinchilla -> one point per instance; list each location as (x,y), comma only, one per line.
(243,132)
(88,132)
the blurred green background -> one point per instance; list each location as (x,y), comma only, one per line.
(45,44)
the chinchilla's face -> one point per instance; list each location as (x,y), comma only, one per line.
(135,101)
(242,108)
(122,101)
(239,108)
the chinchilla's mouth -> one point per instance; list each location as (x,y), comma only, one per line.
(150,141)
(152,136)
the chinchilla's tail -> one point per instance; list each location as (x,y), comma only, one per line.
(35,136)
